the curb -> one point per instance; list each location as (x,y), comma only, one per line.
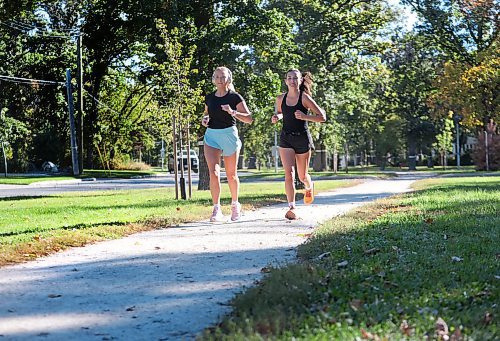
(60,182)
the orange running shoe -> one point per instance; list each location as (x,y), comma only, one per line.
(309,195)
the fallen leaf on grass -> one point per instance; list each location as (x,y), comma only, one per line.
(456,336)
(342,264)
(356,304)
(368,336)
(405,328)
(442,329)
(323,255)
(488,317)
(372,251)
(389,284)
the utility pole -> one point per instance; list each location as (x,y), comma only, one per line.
(181,153)
(80,99)
(188,149)
(457,119)
(486,150)
(174,145)
(4,160)
(275,151)
(74,148)
(3,147)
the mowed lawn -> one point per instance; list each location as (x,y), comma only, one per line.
(31,227)
(420,266)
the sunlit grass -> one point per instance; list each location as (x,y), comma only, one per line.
(387,271)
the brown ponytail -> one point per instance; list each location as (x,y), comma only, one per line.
(307,83)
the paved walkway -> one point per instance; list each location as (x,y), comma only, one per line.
(165,284)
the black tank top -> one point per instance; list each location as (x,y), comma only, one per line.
(290,123)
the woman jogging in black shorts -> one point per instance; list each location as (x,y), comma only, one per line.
(295,139)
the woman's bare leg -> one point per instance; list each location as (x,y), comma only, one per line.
(288,160)
(230,164)
(303,167)
(212,155)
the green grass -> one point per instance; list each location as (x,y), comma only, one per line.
(27,179)
(357,173)
(401,275)
(36,226)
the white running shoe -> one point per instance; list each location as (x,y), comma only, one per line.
(235,211)
(216,214)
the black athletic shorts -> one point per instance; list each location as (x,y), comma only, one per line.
(300,142)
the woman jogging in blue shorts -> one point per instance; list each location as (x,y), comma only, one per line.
(222,108)
(295,139)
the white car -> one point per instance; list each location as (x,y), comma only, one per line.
(195,162)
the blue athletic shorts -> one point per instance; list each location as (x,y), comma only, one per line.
(226,139)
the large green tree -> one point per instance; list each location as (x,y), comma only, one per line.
(462,28)
(330,35)
(414,65)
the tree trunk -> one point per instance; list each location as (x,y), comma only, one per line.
(412,154)
(319,159)
(242,151)
(204,176)
(335,161)
(346,157)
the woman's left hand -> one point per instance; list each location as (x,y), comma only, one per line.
(299,115)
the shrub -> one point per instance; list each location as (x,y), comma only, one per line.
(479,153)
(124,162)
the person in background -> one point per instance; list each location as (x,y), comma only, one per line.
(222,109)
(296,108)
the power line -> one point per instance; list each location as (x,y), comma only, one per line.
(29,81)
(34,26)
(43,33)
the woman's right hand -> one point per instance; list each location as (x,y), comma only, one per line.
(204,120)
(275,118)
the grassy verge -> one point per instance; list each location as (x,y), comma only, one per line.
(414,267)
(31,227)
(271,175)
(27,179)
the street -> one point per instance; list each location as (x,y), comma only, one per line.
(54,187)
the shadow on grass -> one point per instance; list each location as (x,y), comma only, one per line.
(65,227)
(26,197)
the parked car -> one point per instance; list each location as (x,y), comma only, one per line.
(49,167)
(194,161)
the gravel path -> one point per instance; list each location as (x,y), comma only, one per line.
(165,284)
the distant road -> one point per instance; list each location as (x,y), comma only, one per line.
(54,187)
